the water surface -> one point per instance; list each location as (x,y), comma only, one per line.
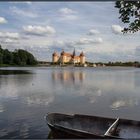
(27,94)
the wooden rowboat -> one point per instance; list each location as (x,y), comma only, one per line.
(84,126)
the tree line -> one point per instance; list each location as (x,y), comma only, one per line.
(129,64)
(126,64)
(17,57)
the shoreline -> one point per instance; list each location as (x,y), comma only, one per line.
(64,66)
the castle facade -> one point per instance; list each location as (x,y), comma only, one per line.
(68,58)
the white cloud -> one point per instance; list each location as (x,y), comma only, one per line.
(72,43)
(67,11)
(8,40)
(11,35)
(69,17)
(84,41)
(26,2)
(2,20)
(39,30)
(93,32)
(67,14)
(117,29)
(58,43)
(22,12)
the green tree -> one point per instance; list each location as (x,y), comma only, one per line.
(1,55)
(7,57)
(1,50)
(16,58)
(1,58)
(129,14)
(23,57)
(31,59)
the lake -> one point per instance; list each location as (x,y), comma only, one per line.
(28,93)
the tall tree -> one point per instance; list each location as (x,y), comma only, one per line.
(16,58)
(1,55)
(1,58)
(23,57)
(7,57)
(129,14)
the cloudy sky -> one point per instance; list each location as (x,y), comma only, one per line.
(45,27)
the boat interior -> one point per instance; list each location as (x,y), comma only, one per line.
(97,125)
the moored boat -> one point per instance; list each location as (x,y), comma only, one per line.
(85,126)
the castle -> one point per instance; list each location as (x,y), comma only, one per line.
(68,58)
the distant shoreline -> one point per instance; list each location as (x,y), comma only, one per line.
(87,64)
(91,64)
(57,66)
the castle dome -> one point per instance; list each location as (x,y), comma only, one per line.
(82,54)
(62,53)
(55,54)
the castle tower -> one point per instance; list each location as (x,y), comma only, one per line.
(63,57)
(82,58)
(55,57)
(73,56)
(74,53)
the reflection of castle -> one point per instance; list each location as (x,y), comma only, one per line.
(67,76)
(68,58)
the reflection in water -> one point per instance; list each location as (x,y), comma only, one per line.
(91,93)
(39,99)
(1,108)
(24,131)
(10,72)
(11,86)
(137,78)
(68,76)
(124,103)
(26,98)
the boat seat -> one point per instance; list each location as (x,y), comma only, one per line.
(112,129)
